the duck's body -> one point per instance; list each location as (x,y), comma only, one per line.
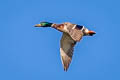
(72,29)
(72,33)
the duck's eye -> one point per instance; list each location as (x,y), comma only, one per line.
(79,26)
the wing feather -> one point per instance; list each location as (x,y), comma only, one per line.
(66,50)
(75,32)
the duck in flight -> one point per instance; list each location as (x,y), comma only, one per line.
(72,33)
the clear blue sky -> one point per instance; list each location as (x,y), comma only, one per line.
(29,53)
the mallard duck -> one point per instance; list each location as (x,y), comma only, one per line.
(72,33)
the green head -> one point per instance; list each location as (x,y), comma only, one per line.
(44,24)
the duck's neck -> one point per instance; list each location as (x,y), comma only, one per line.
(54,25)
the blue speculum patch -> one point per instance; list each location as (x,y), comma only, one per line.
(79,26)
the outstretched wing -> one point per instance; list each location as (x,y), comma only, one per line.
(66,50)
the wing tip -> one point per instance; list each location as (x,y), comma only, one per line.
(65,69)
(66,64)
